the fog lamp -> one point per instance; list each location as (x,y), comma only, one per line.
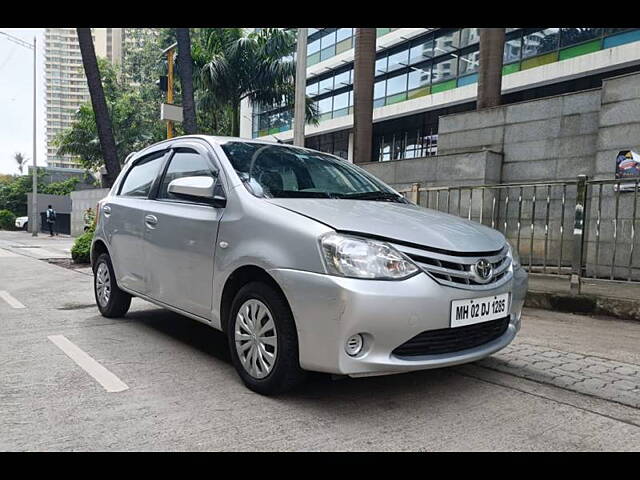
(354,345)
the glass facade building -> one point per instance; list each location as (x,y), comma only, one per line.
(428,63)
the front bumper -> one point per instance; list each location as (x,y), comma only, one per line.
(329,309)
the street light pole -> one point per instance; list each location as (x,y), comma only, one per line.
(34,189)
(34,193)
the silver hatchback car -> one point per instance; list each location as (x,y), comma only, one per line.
(305,261)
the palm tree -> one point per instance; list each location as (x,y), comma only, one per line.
(364,73)
(232,66)
(103,120)
(21,160)
(185,70)
(490,68)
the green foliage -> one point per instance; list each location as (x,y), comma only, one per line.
(64,187)
(13,194)
(230,66)
(14,189)
(21,160)
(7,220)
(81,250)
(134,111)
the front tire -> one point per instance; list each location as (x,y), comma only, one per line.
(112,302)
(263,340)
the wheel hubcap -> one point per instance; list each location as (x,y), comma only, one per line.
(256,338)
(103,284)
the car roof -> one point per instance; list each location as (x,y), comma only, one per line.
(213,139)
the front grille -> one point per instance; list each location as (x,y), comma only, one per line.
(455,269)
(449,340)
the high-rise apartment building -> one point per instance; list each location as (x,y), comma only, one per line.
(65,81)
(109,43)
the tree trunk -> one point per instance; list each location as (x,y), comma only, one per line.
(490,69)
(185,69)
(99,104)
(235,119)
(364,73)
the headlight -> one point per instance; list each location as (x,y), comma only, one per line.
(513,255)
(356,257)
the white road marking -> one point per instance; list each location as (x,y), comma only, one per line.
(6,296)
(104,377)
(6,253)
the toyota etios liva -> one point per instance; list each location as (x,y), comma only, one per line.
(305,261)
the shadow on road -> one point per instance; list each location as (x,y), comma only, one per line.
(190,332)
(320,389)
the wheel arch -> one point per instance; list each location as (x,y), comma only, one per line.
(98,248)
(239,278)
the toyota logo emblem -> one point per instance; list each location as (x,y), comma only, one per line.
(483,271)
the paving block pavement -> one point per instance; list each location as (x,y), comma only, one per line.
(591,375)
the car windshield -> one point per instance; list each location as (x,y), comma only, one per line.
(279,171)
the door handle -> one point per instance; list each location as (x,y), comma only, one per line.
(150,220)
(107,210)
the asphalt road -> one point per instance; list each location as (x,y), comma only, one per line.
(567,383)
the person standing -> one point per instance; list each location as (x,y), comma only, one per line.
(51,219)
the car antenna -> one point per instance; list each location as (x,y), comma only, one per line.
(277,139)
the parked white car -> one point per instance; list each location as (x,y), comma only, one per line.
(22,222)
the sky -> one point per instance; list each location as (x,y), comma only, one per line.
(16,99)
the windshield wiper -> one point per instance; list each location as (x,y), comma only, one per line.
(379,195)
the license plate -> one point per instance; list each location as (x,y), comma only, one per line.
(477,310)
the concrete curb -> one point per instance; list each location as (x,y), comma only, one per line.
(584,304)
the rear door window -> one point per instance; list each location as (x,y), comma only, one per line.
(140,178)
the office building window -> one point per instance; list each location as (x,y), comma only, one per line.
(421,52)
(540,42)
(573,36)
(444,69)
(469,63)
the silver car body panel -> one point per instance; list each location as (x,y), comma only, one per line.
(179,263)
(419,225)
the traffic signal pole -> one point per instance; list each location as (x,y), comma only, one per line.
(170,61)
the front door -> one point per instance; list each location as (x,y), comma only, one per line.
(180,236)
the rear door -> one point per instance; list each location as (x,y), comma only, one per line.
(123,217)
(180,235)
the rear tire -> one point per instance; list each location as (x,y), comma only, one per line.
(25,227)
(261,322)
(112,302)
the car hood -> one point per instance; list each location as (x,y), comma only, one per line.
(398,221)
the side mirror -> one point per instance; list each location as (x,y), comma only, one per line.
(194,188)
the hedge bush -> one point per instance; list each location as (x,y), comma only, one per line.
(81,250)
(7,220)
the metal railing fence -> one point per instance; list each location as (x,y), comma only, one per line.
(578,228)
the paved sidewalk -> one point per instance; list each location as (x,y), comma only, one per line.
(41,247)
(560,284)
(597,376)
(601,297)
